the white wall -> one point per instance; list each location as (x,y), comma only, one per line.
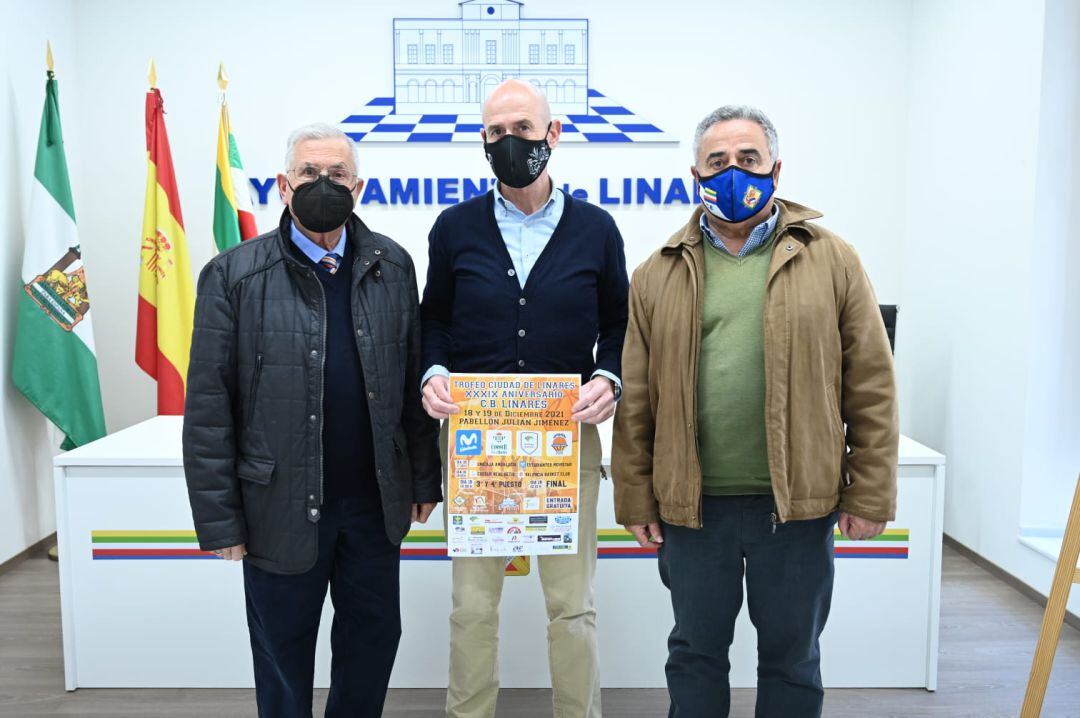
(26,441)
(1052,432)
(802,66)
(976,262)
(938,137)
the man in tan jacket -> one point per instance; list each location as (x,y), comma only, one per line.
(759,410)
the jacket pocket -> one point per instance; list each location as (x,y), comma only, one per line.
(402,478)
(257,471)
(837,424)
(834,414)
(399,442)
(255,374)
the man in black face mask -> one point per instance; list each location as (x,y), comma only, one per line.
(527,279)
(306,454)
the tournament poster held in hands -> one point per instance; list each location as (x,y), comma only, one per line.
(513,465)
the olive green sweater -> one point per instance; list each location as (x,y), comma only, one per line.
(731,374)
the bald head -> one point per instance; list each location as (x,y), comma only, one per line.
(516,107)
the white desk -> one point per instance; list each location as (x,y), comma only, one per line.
(145,609)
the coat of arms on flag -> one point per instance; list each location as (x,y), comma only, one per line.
(62,295)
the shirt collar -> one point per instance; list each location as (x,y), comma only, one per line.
(758,235)
(554,202)
(313,251)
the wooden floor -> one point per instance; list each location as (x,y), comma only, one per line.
(988,632)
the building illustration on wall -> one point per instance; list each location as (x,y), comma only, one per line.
(445,68)
(453,65)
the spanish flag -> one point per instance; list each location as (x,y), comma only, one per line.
(166,290)
(233,219)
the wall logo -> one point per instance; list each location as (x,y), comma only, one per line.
(444,70)
(468,442)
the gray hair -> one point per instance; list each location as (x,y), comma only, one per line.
(318,131)
(738,112)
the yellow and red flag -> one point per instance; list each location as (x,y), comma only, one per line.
(166,289)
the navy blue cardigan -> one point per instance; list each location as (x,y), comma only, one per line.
(477,318)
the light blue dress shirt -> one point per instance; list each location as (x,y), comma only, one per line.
(525,237)
(313,251)
(758,235)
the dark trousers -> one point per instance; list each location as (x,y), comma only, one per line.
(789,580)
(360,565)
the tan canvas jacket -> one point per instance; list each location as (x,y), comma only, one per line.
(827,366)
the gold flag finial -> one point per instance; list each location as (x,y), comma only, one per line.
(151,74)
(48,56)
(222,78)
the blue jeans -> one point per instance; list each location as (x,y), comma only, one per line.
(361,568)
(789,580)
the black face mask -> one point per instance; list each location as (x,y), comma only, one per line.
(518,162)
(322,206)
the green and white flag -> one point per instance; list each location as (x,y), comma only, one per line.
(54,364)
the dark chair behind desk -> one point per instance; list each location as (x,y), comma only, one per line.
(888,314)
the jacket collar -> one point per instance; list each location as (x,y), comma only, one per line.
(793,217)
(364,243)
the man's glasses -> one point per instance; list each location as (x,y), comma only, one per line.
(338,175)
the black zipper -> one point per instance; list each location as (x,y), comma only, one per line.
(322,378)
(254,387)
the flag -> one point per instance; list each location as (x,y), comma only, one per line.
(233,218)
(166,289)
(54,363)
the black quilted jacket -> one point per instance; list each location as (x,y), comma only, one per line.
(253,417)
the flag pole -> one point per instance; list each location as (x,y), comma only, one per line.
(50,68)
(151,74)
(222,80)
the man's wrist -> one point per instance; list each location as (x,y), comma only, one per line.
(434,371)
(616,383)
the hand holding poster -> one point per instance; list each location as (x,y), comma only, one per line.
(513,465)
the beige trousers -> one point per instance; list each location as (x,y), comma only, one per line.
(567,582)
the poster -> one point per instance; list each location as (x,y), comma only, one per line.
(513,465)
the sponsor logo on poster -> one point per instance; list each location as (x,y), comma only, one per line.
(499,442)
(468,442)
(559,443)
(528,443)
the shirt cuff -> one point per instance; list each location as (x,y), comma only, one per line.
(435,370)
(607,375)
